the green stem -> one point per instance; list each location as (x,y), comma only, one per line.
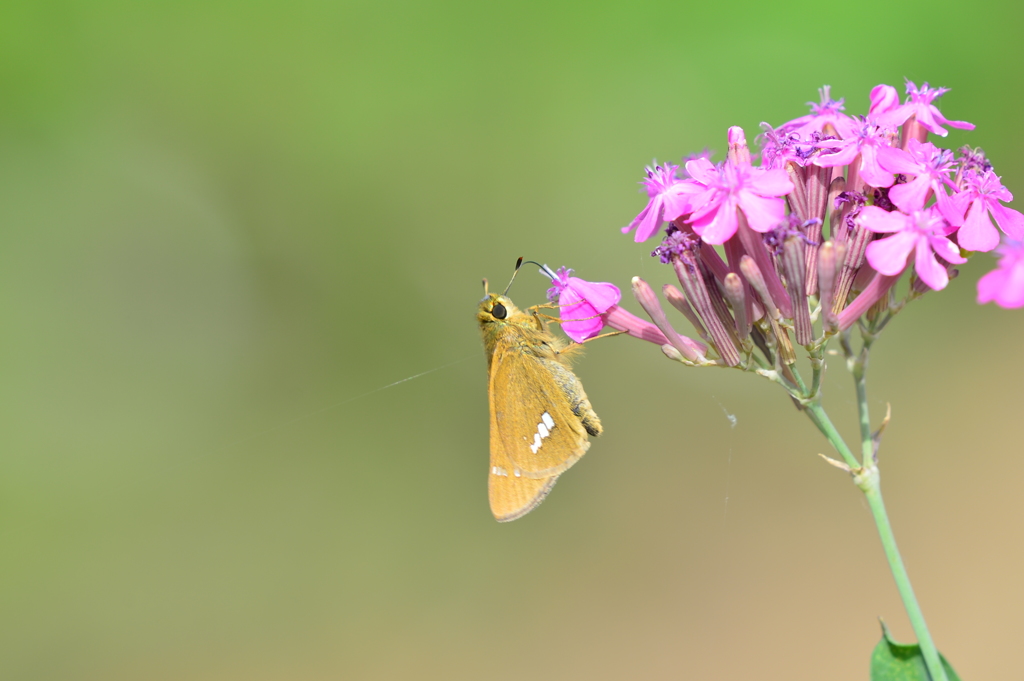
(859,369)
(868,480)
(821,420)
(798,379)
(817,365)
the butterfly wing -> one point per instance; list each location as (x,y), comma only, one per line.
(536,432)
(512,496)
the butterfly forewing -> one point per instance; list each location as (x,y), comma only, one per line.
(540,416)
(532,417)
(512,496)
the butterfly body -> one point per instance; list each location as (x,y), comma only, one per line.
(540,414)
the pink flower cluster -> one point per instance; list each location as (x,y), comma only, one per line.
(931,197)
(837,210)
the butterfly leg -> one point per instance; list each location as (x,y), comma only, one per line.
(557,320)
(603,335)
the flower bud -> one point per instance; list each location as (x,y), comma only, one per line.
(649,302)
(753,244)
(738,152)
(798,197)
(678,301)
(826,283)
(836,223)
(733,290)
(691,277)
(754,277)
(795,267)
(856,245)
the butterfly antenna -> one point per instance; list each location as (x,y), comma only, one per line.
(519,263)
(485,287)
(544,269)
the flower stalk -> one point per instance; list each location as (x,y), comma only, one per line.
(869,482)
(868,479)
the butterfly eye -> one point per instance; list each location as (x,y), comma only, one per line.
(498,311)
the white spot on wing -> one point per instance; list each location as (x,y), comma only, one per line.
(544,428)
(536,443)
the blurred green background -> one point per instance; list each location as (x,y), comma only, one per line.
(227,227)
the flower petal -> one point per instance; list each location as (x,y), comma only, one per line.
(580,321)
(1009,220)
(701,169)
(912,195)
(898,161)
(1011,293)
(879,220)
(884,99)
(992,284)
(763,213)
(928,268)
(719,226)
(844,156)
(870,171)
(650,222)
(889,255)
(946,249)
(948,208)
(771,183)
(978,233)
(600,294)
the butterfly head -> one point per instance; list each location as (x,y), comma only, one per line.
(495,308)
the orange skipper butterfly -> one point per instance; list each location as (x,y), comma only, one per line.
(540,415)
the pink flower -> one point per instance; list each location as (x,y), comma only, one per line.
(827,114)
(884,100)
(1005,284)
(866,143)
(923,233)
(582,303)
(981,195)
(930,167)
(731,187)
(919,105)
(587,306)
(669,198)
(779,147)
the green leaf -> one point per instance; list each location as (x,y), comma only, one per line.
(893,661)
